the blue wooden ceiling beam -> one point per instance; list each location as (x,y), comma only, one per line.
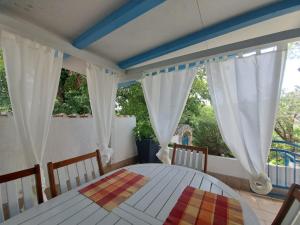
(116,19)
(252,17)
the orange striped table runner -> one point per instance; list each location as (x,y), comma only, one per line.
(198,207)
(114,189)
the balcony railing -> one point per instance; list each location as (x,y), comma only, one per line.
(284,164)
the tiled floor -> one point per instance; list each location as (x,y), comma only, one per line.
(265,208)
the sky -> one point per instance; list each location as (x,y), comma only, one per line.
(291,73)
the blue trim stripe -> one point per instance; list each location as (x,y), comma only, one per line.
(116,19)
(252,17)
(171,69)
(181,67)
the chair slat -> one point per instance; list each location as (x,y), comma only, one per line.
(200,160)
(289,213)
(196,158)
(297,218)
(188,158)
(72,171)
(1,206)
(95,167)
(183,155)
(178,156)
(28,195)
(193,164)
(81,171)
(62,177)
(89,169)
(291,216)
(12,197)
(16,183)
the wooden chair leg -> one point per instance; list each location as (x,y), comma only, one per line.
(51,180)
(38,184)
(101,170)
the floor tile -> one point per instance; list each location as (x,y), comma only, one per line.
(265,208)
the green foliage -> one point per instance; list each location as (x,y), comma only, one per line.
(143,130)
(72,95)
(287,125)
(198,97)
(276,159)
(206,133)
(5,105)
(130,101)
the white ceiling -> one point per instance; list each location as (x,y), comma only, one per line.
(166,22)
(67,18)
(278,24)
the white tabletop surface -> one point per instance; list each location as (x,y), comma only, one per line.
(149,205)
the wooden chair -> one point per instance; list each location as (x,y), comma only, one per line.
(190,156)
(289,213)
(18,191)
(73,172)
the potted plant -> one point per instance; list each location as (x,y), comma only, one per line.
(147,145)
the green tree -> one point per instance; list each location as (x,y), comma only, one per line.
(5,105)
(72,95)
(206,133)
(198,97)
(131,101)
(287,125)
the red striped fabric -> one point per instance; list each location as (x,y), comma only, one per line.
(196,207)
(114,189)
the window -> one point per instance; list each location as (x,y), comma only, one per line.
(72,95)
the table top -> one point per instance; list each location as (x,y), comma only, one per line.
(149,205)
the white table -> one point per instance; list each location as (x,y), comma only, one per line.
(149,205)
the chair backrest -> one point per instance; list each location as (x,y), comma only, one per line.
(289,213)
(19,191)
(73,172)
(190,156)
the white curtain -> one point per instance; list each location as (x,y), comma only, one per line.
(32,72)
(245,93)
(166,95)
(102,92)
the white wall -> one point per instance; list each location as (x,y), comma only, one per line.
(122,140)
(10,155)
(223,165)
(68,137)
(226,166)
(232,167)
